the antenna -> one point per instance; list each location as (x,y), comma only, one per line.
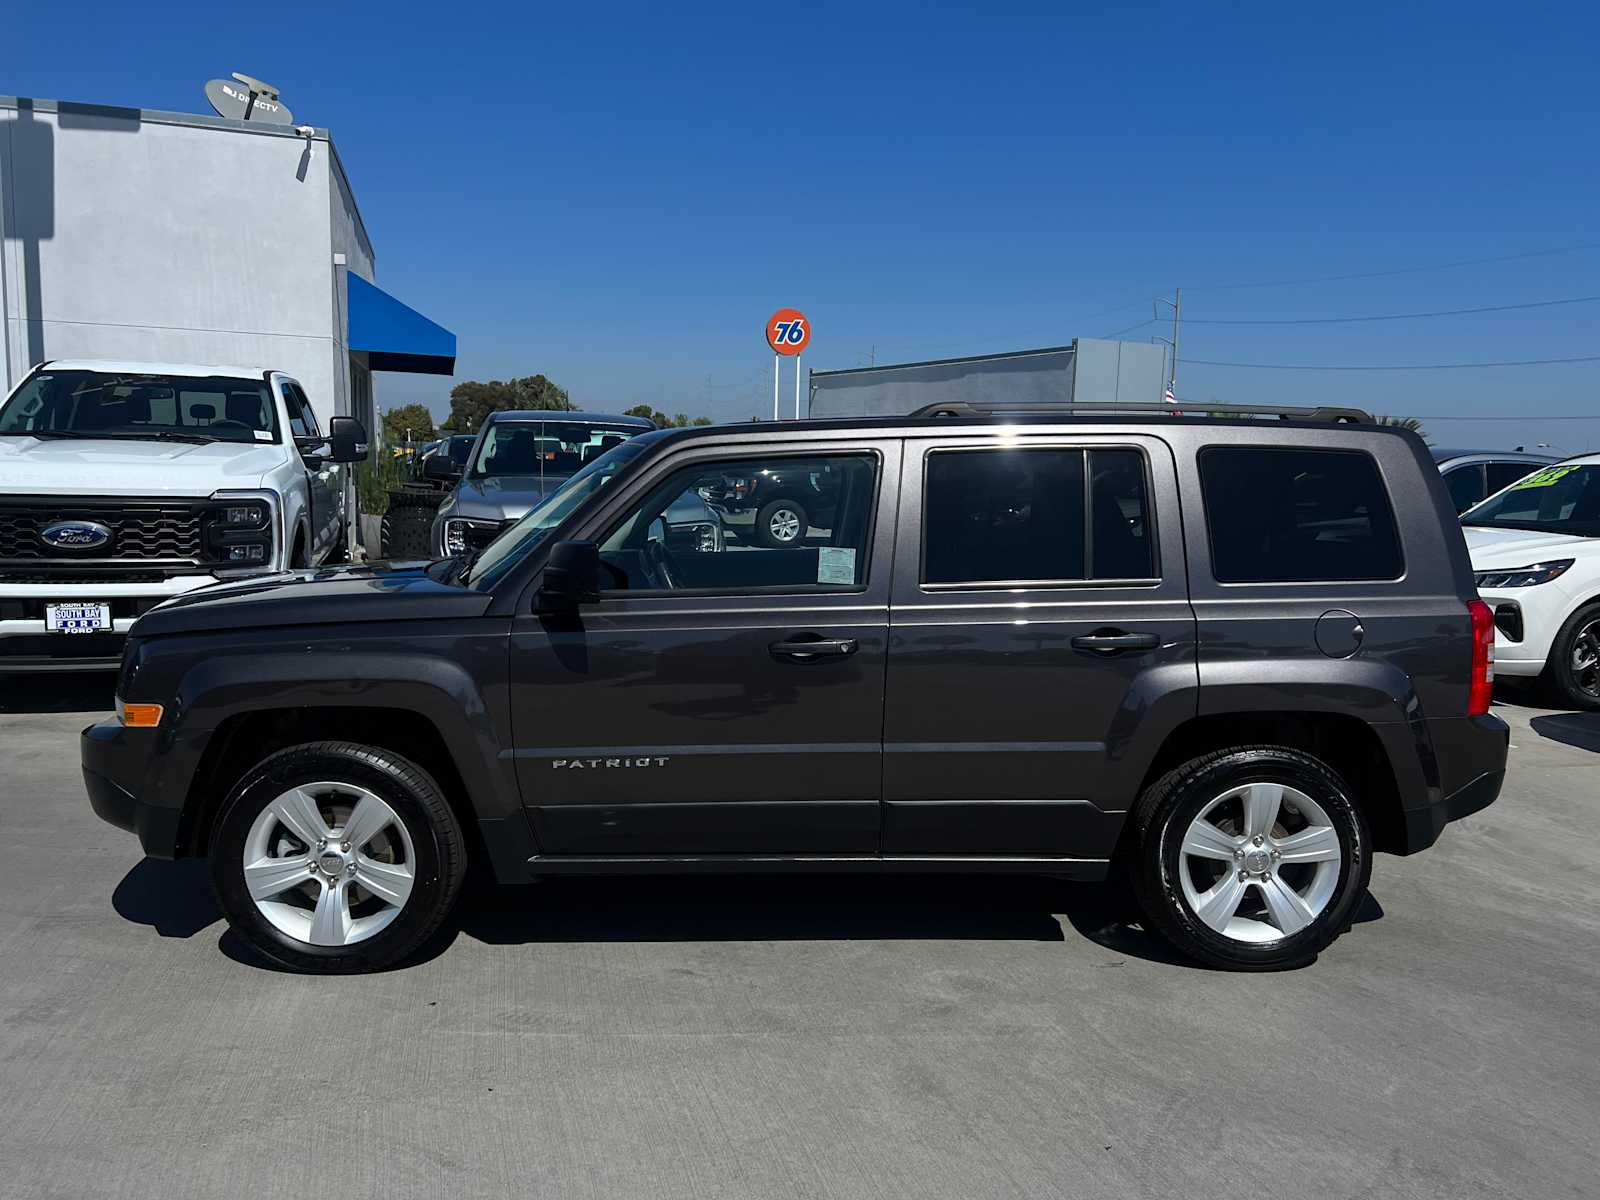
(248,99)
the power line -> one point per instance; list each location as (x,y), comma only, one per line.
(1129,329)
(1468,366)
(1447,266)
(1411,316)
(1584,417)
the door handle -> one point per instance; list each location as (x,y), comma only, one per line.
(1115,641)
(801,650)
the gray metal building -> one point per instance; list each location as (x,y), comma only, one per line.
(1089,371)
(168,237)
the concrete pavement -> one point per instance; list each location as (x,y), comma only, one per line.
(801,1037)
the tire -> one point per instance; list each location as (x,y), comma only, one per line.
(265,823)
(1579,637)
(407,533)
(1173,886)
(787,515)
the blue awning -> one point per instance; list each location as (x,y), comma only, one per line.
(395,336)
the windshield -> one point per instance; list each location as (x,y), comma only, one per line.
(90,404)
(1559,499)
(508,549)
(544,447)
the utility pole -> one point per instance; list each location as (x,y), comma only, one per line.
(1176,304)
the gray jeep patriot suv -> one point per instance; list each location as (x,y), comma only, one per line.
(1231,656)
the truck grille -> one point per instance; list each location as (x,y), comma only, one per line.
(141,531)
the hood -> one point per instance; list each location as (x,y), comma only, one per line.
(377,592)
(128,467)
(1494,547)
(501,497)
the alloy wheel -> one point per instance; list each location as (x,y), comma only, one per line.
(330,864)
(784,525)
(1586,659)
(1260,862)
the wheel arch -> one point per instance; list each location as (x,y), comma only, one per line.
(1359,752)
(426,708)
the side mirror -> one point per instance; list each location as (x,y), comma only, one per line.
(657,532)
(571,576)
(440,468)
(347,440)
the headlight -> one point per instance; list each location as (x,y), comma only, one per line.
(1524,576)
(242,516)
(463,536)
(695,537)
(240,532)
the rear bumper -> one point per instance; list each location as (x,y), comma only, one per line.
(1472,756)
(115,761)
(1423,825)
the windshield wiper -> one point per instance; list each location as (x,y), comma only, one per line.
(48,433)
(159,435)
(164,435)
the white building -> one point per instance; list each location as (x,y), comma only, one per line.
(166,237)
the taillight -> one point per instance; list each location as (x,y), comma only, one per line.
(1482,688)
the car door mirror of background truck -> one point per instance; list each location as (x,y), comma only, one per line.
(347,440)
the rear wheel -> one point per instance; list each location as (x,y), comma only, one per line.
(781,523)
(335,857)
(1253,858)
(1573,671)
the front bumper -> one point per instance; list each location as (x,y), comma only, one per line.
(115,760)
(27,645)
(1526,622)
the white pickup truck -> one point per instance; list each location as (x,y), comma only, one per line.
(123,483)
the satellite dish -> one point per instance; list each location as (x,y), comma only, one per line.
(248,99)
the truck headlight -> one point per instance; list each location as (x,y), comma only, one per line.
(1524,576)
(241,532)
(695,537)
(463,535)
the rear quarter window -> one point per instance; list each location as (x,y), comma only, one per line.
(1283,515)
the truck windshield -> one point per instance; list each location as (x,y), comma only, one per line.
(89,404)
(544,447)
(1560,499)
(511,546)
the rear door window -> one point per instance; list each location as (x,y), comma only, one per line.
(1281,515)
(1504,474)
(1466,485)
(1036,515)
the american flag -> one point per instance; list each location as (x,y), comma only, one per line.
(1171,399)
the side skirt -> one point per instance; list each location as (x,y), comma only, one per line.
(1085,869)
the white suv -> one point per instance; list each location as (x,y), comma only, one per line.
(1536,554)
(122,484)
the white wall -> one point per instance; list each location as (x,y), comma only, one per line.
(131,235)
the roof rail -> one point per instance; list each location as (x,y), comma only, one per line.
(980,408)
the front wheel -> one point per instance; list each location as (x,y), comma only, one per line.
(1573,670)
(335,857)
(1252,858)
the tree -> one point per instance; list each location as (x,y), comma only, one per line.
(661,419)
(1411,423)
(409,422)
(471,401)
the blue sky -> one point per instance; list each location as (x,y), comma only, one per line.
(618,195)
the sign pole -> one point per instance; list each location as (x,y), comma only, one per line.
(788,333)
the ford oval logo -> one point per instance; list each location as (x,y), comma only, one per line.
(75,535)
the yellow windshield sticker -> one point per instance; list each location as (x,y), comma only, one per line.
(1543,478)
